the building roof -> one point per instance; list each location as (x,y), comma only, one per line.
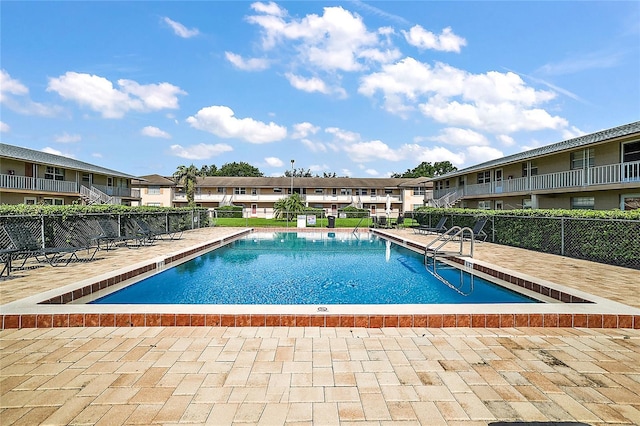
(153,180)
(582,141)
(39,157)
(300,182)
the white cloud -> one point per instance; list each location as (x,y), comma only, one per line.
(314,146)
(274,162)
(372,150)
(14,95)
(345,172)
(154,132)
(50,150)
(180,30)
(304,129)
(432,154)
(67,138)
(4,127)
(492,102)
(313,84)
(96,155)
(506,140)
(100,95)
(199,152)
(447,41)
(480,154)
(456,136)
(572,132)
(251,64)
(220,121)
(11,85)
(336,41)
(343,135)
(317,168)
(372,172)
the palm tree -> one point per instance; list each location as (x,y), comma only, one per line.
(289,206)
(187,176)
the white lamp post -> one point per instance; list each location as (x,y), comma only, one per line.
(292,161)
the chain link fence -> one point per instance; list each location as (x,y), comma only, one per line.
(83,230)
(611,241)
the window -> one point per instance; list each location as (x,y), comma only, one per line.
(419,190)
(526,203)
(582,159)
(239,191)
(30,201)
(484,177)
(54,173)
(530,166)
(388,191)
(54,201)
(154,190)
(629,202)
(254,191)
(109,181)
(373,192)
(86,177)
(631,152)
(584,203)
(345,191)
(484,204)
(361,191)
(319,191)
(221,190)
(154,204)
(499,205)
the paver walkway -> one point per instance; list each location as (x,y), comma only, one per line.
(321,376)
(308,375)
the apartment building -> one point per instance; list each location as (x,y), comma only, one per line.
(155,190)
(258,194)
(597,171)
(34,177)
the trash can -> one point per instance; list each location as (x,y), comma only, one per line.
(332,221)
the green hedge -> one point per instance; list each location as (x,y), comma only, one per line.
(229,211)
(605,236)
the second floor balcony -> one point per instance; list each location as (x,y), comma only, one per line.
(37,184)
(612,174)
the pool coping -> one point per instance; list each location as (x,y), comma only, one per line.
(55,308)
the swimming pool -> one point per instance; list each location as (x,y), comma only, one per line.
(290,268)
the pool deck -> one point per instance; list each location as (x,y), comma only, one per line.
(321,375)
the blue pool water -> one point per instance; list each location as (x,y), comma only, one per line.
(310,268)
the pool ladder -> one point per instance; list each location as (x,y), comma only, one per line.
(455,234)
(436,247)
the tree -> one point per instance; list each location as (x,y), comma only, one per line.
(289,206)
(426,169)
(187,176)
(238,169)
(299,173)
(211,170)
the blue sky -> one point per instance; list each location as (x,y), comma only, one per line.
(362,89)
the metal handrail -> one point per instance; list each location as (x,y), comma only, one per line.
(450,235)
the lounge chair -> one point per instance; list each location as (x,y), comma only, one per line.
(438,229)
(26,246)
(399,222)
(478,233)
(6,257)
(374,222)
(109,234)
(382,222)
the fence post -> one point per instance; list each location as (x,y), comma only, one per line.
(562,236)
(192,220)
(42,231)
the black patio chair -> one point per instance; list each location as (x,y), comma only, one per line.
(478,232)
(399,222)
(26,246)
(438,229)
(109,234)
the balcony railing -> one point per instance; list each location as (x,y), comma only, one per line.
(37,184)
(117,191)
(593,176)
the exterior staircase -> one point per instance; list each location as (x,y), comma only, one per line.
(449,200)
(95,196)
